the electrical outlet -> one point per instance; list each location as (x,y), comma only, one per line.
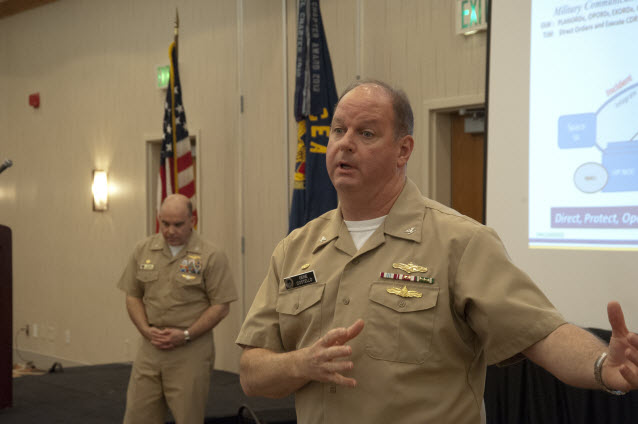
(51,333)
(34,327)
(67,336)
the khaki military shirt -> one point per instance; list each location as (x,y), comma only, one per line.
(422,355)
(176,290)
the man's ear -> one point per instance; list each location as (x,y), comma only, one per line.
(406,145)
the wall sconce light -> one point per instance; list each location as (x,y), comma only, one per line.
(100,191)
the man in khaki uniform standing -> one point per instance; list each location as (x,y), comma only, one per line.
(436,290)
(178,288)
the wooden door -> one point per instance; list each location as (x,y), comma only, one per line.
(468,170)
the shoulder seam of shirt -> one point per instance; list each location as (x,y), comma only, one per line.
(451,212)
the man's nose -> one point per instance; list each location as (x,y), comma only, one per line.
(347,143)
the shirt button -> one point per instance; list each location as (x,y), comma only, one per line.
(402,304)
(296,306)
(346,300)
(333,389)
(356,261)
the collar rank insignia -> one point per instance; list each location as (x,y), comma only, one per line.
(404,292)
(409,268)
(410,230)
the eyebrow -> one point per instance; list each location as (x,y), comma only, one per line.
(364,123)
(176,224)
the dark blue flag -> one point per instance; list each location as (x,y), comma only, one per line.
(315,98)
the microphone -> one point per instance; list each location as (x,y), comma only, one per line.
(6,164)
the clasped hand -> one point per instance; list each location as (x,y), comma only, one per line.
(167,338)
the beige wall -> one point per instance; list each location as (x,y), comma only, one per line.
(93,64)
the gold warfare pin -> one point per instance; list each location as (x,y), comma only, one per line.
(409,267)
(404,292)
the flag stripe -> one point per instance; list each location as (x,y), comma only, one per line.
(183,146)
(184,162)
(189,191)
(185,177)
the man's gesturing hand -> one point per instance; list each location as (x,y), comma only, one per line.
(621,370)
(324,361)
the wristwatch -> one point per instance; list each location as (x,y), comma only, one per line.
(187,336)
(598,375)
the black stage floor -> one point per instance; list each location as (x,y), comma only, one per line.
(97,395)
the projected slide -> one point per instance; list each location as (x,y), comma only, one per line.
(583,152)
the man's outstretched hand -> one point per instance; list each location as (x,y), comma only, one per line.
(327,358)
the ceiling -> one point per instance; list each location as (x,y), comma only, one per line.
(11,7)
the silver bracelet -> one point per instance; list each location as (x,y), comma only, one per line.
(598,375)
(187,336)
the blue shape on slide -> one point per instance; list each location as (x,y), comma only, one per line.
(621,161)
(576,131)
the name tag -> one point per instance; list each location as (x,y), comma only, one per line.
(300,280)
(147,266)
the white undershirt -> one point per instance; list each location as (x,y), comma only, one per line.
(362,230)
(175,249)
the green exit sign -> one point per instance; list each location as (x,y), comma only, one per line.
(163,76)
(471,16)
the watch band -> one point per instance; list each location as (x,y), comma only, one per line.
(187,336)
(598,375)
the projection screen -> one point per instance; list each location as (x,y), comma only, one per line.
(562,164)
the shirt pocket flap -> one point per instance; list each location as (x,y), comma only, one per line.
(295,301)
(184,278)
(410,303)
(147,276)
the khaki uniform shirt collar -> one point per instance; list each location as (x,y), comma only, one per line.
(332,230)
(194,245)
(405,221)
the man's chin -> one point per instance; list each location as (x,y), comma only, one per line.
(346,185)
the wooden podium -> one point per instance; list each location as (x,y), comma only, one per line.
(6,319)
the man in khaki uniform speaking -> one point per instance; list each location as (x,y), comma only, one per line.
(436,290)
(178,288)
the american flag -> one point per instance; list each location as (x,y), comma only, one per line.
(176,162)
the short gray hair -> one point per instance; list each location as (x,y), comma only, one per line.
(403,115)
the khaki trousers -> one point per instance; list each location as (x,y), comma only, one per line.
(178,379)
